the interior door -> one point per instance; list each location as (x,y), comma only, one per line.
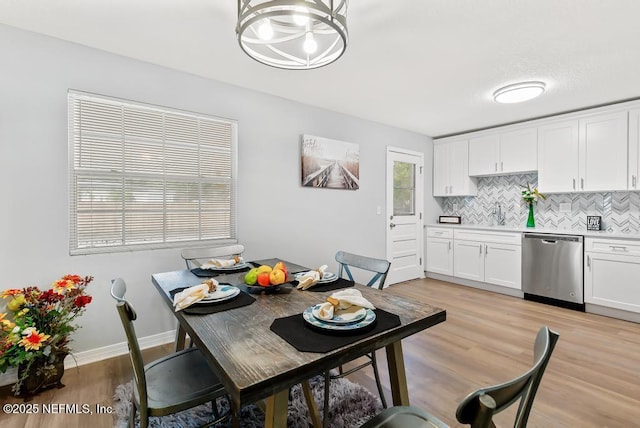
(405,196)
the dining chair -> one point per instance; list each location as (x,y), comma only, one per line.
(478,408)
(193,257)
(170,384)
(379,268)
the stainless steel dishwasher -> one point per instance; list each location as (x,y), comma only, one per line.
(552,269)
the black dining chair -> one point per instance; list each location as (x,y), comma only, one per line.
(170,384)
(379,268)
(478,408)
(193,257)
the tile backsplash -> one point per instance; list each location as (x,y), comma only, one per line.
(620,211)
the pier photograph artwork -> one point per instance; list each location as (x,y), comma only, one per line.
(330,163)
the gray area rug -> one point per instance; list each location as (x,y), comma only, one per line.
(351,405)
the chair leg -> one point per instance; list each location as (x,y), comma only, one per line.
(144,418)
(377,376)
(132,415)
(214,409)
(325,410)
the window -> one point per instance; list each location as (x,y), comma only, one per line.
(143,176)
(404,188)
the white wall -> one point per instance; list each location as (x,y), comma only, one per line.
(277,217)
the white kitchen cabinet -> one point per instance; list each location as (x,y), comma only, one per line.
(468,260)
(612,269)
(491,257)
(439,254)
(584,154)
(451,169)
(634,150)
(510,152)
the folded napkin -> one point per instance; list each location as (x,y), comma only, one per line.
(343,299)
(191,295)
(310,278)
(221,263)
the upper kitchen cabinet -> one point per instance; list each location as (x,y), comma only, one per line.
(451,169)
(634,149)
(584,154)
(504,153)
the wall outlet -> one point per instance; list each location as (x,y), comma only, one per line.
(565,207)
(378,210)
(455,206)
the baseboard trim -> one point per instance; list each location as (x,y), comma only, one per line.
(476,284)
(100,354)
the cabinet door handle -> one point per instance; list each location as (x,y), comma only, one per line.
(618,248)
(486,249)
(501,166)
(496,166)
(589,261)
(574,184)
(480,246)
(582,184)
(449,245)
(633,181)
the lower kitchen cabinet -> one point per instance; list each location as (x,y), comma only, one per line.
(494,263)
(611,276)
(439,251)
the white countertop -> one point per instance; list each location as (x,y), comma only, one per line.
(520,229)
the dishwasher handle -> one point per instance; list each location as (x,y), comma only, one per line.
(549,241)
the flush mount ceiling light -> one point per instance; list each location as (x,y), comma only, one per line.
(519,92)
(293,34)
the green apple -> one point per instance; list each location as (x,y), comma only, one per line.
(251,277)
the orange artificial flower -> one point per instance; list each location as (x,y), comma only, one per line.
(33,340)
(62,285)
(11,292)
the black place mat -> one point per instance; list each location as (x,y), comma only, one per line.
(330,286)
(242,299)
(305,338)
(210,273)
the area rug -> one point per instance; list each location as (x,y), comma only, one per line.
(351,405)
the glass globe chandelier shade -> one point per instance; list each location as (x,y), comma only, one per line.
(293,34)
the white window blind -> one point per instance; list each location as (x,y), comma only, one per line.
(144,176)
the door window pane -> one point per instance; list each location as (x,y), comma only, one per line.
(404,187)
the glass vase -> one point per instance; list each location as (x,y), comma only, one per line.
(531,221)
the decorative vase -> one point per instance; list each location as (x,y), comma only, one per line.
(531,221)
(43,373)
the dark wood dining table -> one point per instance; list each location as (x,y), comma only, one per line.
(254,363)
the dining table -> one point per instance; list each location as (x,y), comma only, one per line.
(256,364)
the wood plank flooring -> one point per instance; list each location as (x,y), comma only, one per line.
(593,379)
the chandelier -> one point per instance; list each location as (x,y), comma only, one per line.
(293,34)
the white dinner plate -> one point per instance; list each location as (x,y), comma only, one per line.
(307,315)
(326,278)
(222,293)
(342,316)
(240,265)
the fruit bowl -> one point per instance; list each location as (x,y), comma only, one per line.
(266,276)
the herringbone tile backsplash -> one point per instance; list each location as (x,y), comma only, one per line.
(620,211)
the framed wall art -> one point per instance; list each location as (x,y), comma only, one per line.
(330,163)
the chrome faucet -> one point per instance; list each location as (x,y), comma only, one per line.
(497,211)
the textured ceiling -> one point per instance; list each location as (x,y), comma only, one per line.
(428,66)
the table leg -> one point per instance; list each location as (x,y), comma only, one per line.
(180,338)
(277,409)
(397,375)
(311,404)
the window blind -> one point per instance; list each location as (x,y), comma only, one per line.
(144,176)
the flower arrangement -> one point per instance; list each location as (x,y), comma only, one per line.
(531,195)
(36,328)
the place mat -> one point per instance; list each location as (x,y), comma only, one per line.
(242,299)
(329,286)
(305,338)
(210,273)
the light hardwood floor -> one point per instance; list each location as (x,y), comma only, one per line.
(593,379)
